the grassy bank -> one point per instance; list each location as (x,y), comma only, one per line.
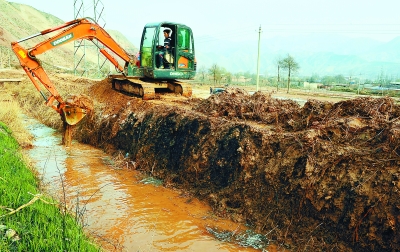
(30,221)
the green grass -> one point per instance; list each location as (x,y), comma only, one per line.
(40,226)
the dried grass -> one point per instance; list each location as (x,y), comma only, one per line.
(25,97)
(11,115)
(33,103)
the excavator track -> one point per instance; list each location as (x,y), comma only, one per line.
(180,87)
(147,89)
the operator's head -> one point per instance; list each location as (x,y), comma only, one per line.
(167,32)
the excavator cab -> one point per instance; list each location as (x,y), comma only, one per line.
(146,78)
(178,62)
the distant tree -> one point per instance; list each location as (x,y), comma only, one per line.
(328,80)
(340,79)
(314,78)
(202,74)
(291,65)
(247,74)
(248,78)
(369,81)
(215,72)
(383,78)
(279,64)
(222,75)
(229,77)
(237,76)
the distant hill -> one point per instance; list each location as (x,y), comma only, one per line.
(20,21)
(316,54)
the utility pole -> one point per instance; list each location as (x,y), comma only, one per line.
(258,58)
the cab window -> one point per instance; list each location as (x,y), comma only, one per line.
(147,45)
(185,40)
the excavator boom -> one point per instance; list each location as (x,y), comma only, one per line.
(74,30)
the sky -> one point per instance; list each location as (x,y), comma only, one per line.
(239,20)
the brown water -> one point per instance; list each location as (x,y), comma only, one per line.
(120,209)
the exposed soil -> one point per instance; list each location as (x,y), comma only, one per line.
(324,176)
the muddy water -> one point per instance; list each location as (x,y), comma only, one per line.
(123,211)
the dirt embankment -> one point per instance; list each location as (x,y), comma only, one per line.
(323,176)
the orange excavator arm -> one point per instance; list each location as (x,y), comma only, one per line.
(73,30)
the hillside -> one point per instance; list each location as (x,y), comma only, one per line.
(315,53)
(20,21)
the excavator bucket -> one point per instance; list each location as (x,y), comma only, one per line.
(73,114)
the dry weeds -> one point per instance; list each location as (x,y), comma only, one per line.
(10,114)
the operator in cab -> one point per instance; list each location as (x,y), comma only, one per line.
(164,52)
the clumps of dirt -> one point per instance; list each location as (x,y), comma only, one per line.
(375,111)
(111,110)
(237,103)
(358,122)
(324,176)
(114,102)
(81,101)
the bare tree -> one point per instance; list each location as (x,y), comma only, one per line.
(215,71)
(237,76)
(279,64)
(222,75)
(202,72)
(291,65)
(229,77)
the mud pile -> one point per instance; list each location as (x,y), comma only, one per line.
(324,176)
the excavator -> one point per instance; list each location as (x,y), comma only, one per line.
(138,75)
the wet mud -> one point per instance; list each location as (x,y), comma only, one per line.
(323,176)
